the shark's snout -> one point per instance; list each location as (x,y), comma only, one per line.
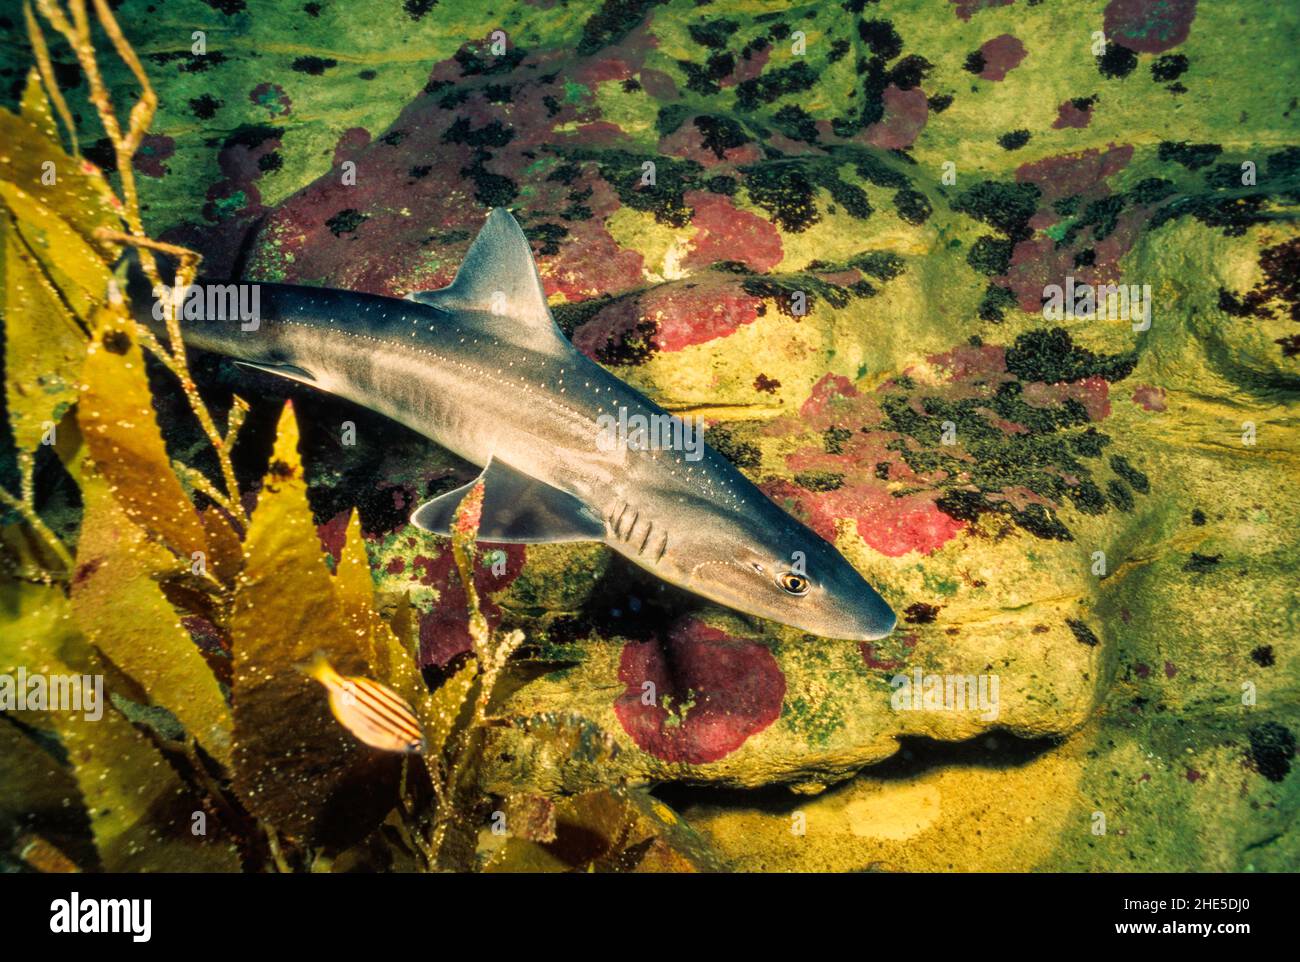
(878,619)
(851,608)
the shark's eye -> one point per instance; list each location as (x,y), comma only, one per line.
(793,583)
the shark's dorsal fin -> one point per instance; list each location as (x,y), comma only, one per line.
(517,509)
(498,282)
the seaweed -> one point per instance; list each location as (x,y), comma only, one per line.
(214,752)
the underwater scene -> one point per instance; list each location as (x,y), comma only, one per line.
(649,436)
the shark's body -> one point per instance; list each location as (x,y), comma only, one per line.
(481,368)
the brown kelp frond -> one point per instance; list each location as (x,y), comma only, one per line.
(74,24)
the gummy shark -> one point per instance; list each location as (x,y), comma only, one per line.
(481,368)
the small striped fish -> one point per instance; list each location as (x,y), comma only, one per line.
(372,712)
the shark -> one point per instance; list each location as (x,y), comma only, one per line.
(482,369)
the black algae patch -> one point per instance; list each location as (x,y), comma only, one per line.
(990,255)
(1169,67)
(1003,206)
(833,439)
(1082,633)
(990,461)
(773,84)
(819,480)
(416,9)
(1135,478)
(623,171)
(713,33)
(912,206)
(345,221)
(1191,156)
(1272,746)
(881,37)
(314,65)
(1049,355)
(995,302)
(909,72)
(1013,140)
(720,134)
(1263,656)
(612,22)
(921,613)
(205,107)
(785,192)
(740,453)
(1117,61)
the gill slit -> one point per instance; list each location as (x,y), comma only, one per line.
(624,534)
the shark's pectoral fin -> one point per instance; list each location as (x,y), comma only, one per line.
(291,371)
(517,509)
(498,287)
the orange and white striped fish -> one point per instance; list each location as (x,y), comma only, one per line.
(374,713)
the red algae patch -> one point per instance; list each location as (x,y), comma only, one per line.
(699,695)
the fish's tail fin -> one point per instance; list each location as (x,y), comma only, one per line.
(129,281)
(318,668)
